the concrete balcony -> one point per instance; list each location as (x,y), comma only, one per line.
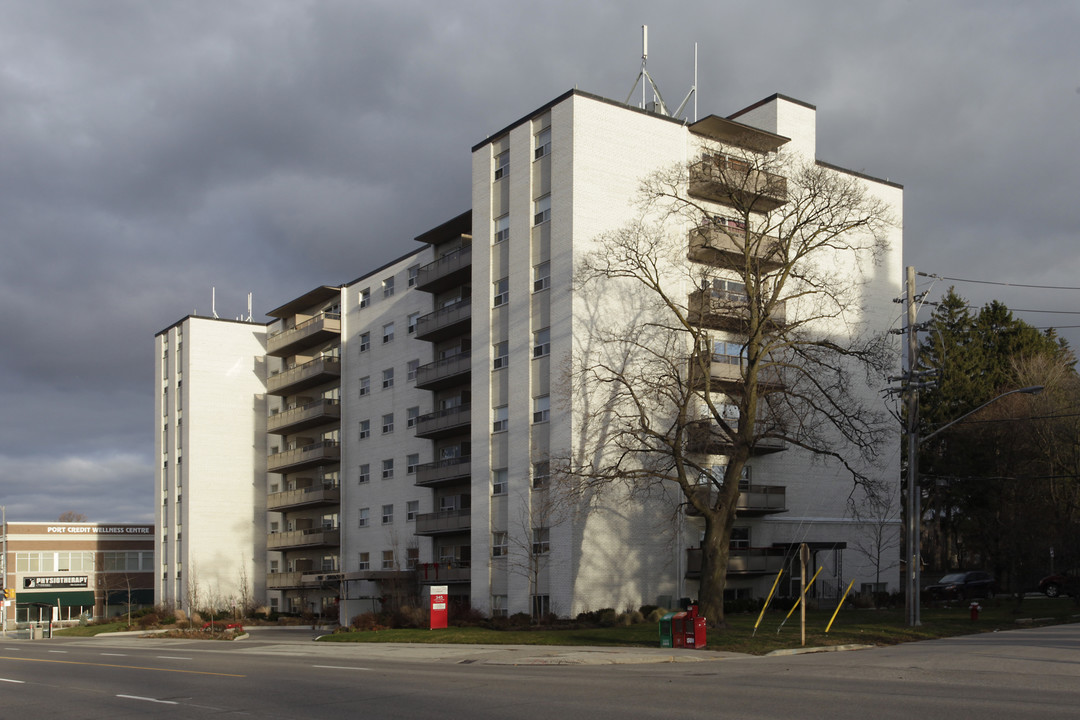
(447,372)
(443,574)
(310,538)
(308,333)
(445,322)
(728,372)
(443,522)
(309,415)
(443,472)
(706,438)
(443,423)
(741,561)
(726,310)
(284,581)
(452,269)
(317,496)
(754,500)
(734,182)
(314,372)
(324,452)
(724,244)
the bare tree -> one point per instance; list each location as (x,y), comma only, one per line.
(728,320)
(878,539)
(528,540)
(71,516)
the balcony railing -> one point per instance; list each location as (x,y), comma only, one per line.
(444,373)
(312,537)
(730,370)
(443,423)
(304,497)
(445,322)
(312,414)
(726,310)
(438,573)
(444,521)
(323,452)
(705,437)
(453,268)
(283,581)
(741,561)
(735,182)
(443,472)
(314,372)
(723,245)
(753,500)
(310,332)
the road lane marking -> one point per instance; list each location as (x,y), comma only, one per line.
(17,682)
(123,667)
(115,654)
(171,657)
(61,652)
(153,700)
(338,667)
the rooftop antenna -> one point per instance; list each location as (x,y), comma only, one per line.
(249,308)
(658,105)
(213,302)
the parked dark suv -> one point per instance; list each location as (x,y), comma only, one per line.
(1065,583)
(963,585)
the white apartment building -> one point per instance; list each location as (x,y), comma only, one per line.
(407,418)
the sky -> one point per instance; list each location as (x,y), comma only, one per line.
(151,151)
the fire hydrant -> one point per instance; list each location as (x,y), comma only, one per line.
(974,608)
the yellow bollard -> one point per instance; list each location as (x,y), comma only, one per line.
(839,606)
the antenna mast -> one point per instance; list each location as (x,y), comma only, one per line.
(658,104)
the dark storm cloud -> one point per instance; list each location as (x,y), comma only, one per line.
(153,150)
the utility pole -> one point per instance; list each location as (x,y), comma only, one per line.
(914,496)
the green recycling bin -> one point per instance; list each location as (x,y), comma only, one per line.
(666,637)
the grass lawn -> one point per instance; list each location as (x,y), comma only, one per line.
(866,627)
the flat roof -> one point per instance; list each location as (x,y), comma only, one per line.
(313,297)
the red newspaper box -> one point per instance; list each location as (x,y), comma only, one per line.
(693,629)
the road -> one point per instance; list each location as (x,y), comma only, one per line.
(1032,673)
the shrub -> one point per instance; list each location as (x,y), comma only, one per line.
(519,620)
(466,616)
(655,615)
(148,620)
(647,610)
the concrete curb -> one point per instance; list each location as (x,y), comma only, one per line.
(823,648)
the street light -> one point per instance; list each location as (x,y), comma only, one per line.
(914,497)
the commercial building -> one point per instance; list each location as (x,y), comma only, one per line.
(80,569)
(409,417)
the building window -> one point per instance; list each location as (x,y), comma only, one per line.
(388,333)
(363,517)
(541,541)
(412,509)
(388,287)
(365,341)
(388,560)
(498,544)
(365,297)
(740,538)
(413,317)
(388,469)
(498,481)
(365,473)
(364,561)
(729,353)
(410,370)
(498,606)
(542,342)
(502,353)
(411,461)
(541,277)
(365,385)
(543,143)
(541,408)
(502,164)
(541,605)
(502,291)
(387,514)
(365,429)
(411,415)
(388,423)
(501,419)
(502,229)
(542,210)
(541,474)
(388,378)
(414,270)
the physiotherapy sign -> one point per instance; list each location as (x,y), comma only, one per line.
(56,582)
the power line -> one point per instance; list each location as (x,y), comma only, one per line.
(992,282)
